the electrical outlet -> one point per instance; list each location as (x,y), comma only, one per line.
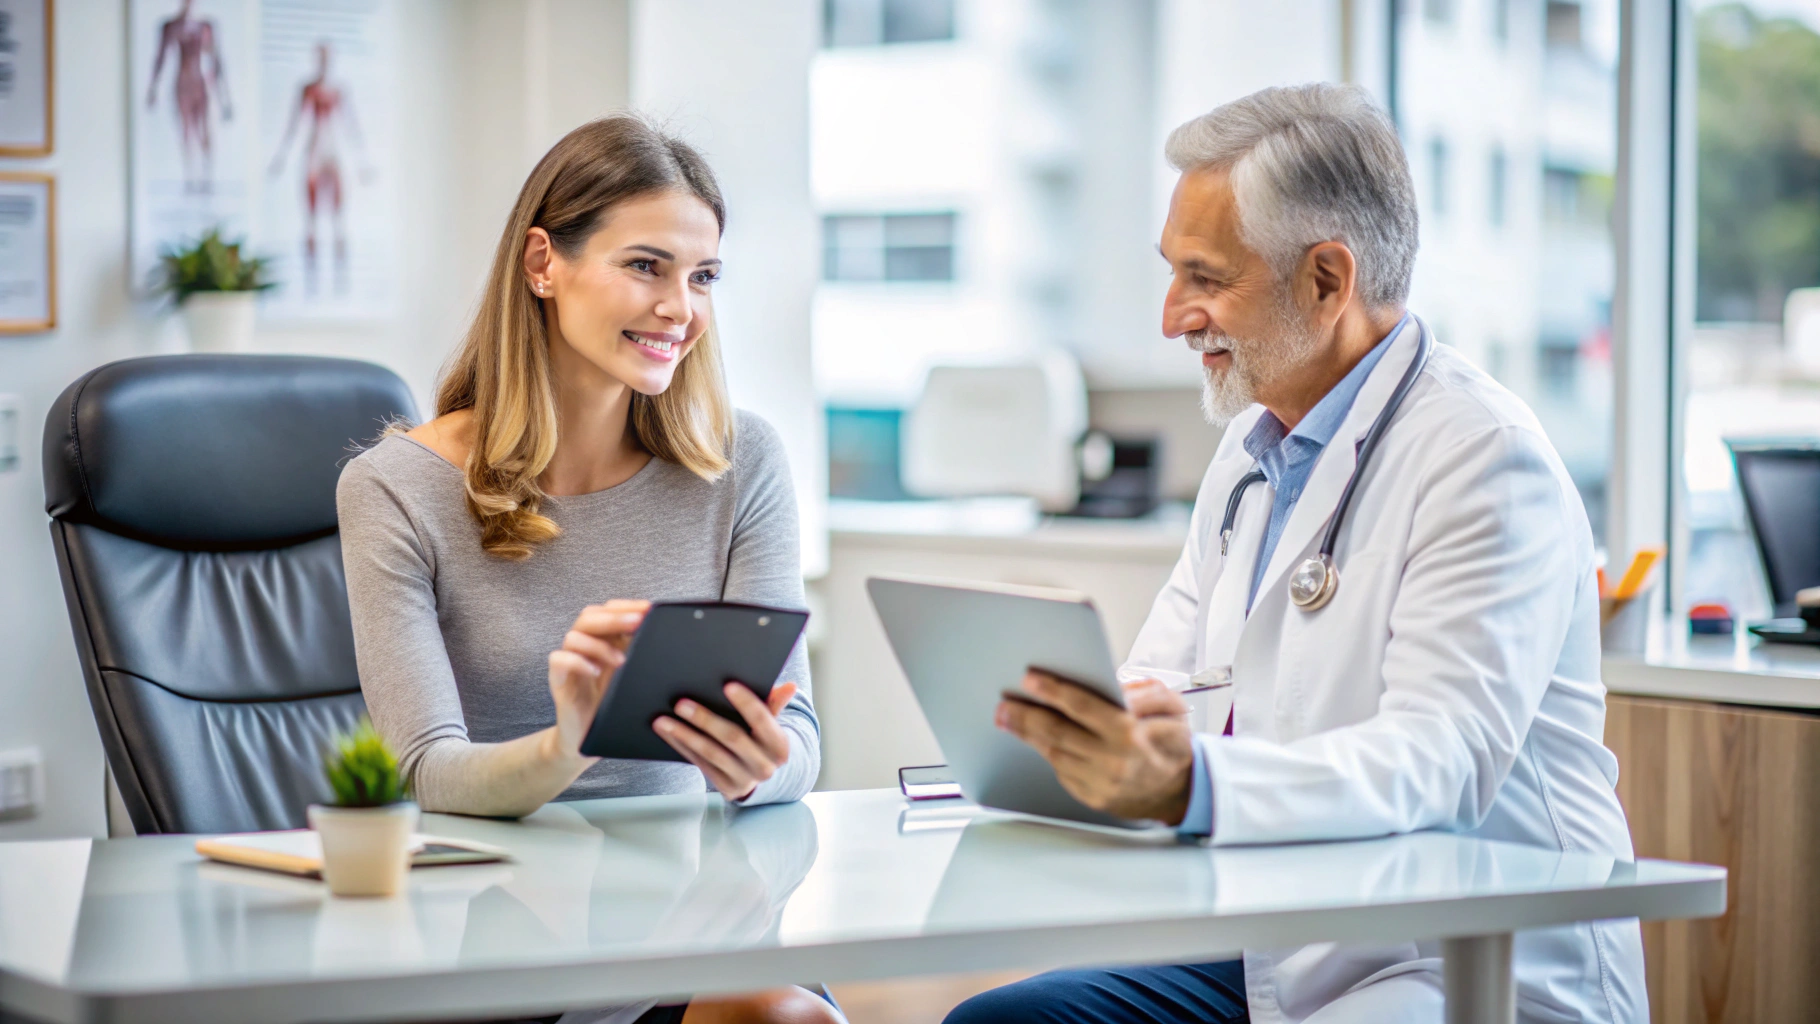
(9,433)
(21,784)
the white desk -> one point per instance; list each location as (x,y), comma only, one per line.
(614,901)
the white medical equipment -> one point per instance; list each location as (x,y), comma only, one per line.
(1001,429)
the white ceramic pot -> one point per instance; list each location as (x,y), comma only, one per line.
(220,321)
(366,851)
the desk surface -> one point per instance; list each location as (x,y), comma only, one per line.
(612,901)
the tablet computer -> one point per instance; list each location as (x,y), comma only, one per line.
(689,649)
(965,645)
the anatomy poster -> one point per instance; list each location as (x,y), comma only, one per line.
(326,209)
(193,146)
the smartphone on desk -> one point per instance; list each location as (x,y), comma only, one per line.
(928,782)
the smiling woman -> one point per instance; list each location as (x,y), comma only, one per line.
(604,269)
(585,460)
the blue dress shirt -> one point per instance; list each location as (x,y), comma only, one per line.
(1287,458)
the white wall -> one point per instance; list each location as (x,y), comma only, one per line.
(733,78)
(483,86)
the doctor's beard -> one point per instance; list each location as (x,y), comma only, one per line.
(1255,361)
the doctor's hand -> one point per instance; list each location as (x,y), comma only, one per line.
(735,758)
(1132,762)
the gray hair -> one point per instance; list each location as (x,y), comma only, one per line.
(1310,164)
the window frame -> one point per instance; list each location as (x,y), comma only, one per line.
(1653,220)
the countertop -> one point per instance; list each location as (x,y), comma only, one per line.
(1006,525)
(1737,669)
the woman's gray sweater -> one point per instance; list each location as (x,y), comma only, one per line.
(453,643)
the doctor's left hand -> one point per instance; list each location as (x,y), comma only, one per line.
(1131,762)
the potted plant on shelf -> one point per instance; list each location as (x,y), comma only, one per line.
(366,834)
(215,288)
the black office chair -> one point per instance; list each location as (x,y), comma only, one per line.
(192,503)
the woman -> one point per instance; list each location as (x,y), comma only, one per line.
(583,446)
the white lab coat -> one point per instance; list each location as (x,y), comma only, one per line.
(1453,682)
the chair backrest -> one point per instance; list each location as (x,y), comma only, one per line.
(1780,481)
(192,503)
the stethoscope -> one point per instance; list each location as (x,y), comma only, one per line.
(1312,584)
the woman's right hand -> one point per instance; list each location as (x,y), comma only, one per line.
(592,651)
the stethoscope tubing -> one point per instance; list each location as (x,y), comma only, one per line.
(1424,346)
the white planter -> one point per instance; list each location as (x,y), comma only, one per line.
(220,321)
(366,851)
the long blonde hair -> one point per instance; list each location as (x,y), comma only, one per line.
(502,370)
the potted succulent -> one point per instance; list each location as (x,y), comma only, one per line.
(366,834)
(215,288)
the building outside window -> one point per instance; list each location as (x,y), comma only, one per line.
(1437,177)
(888,247)
(1524,290)
(1006,132)
(1495,171)
(1752,364)
(880,22)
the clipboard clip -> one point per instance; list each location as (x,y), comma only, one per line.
(1213,677)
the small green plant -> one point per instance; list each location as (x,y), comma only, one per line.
(210,265)
(362,770)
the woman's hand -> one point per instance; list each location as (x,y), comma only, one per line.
(580,671)
(734,758)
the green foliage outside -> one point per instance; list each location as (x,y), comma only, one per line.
(362,770)
(210,265)
(1759,163)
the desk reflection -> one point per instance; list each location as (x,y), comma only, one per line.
(1016,869)
(648,876)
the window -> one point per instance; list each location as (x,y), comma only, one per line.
(873,22)
(1563,27)
(1514,144)
(1494,188)
(863,454)
(1753,358)
(888,247)
(1437,177)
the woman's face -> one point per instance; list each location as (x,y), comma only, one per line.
(634,301)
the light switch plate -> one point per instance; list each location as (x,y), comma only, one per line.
(21,784)
(9,433)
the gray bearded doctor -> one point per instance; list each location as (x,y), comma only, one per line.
(1389,578)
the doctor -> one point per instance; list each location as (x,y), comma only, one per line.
(1449,676)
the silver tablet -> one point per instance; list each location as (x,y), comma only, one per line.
(963,645)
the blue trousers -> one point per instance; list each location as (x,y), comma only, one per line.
(1185,993)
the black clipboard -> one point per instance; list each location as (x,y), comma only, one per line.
(689,649)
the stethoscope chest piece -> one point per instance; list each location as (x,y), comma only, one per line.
(1312,584)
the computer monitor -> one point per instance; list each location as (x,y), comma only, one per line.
(1780,481)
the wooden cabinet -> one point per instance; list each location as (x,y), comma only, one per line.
(1738,787)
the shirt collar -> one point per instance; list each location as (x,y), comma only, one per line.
(1323,421)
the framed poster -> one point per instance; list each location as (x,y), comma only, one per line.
(28,252)
(25,77)
(191,99)
(328,210)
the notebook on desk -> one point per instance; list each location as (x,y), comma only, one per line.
(299,852)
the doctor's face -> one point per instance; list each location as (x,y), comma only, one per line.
(1227,301)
